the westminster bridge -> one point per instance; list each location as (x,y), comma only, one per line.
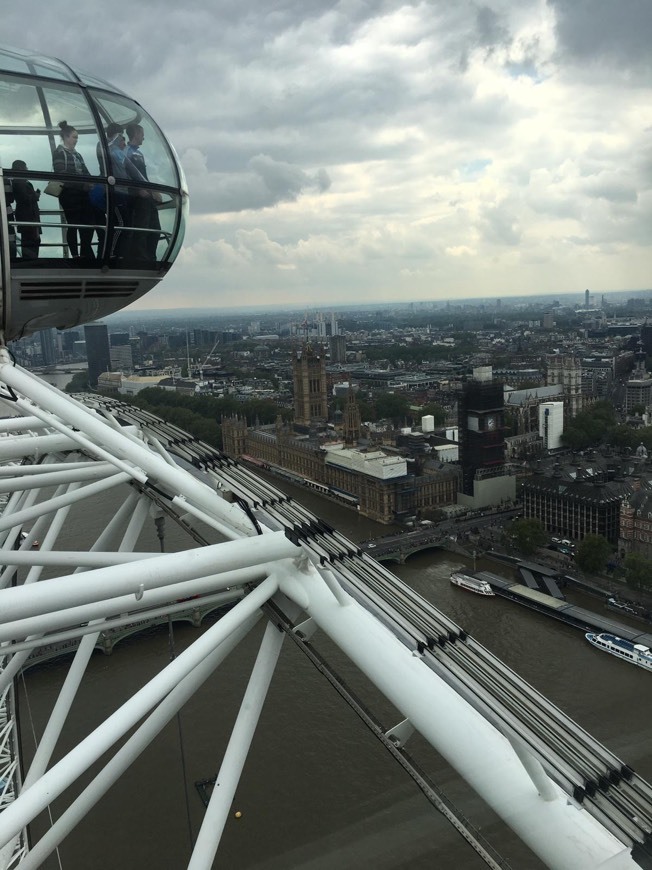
(449,535)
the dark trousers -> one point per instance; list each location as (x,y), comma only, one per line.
(145,215)
(77,210)
(30,242)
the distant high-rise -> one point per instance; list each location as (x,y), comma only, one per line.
(587,299)
(119,339)
(96,336)
(121,358)
(48,346)
(68,339)
(551,424)
(337,348)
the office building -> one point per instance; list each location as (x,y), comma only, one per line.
(551,424)
(96,336)
(48,339)
(337,348)
(121,358)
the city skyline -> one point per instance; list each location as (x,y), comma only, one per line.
(386,151)
(576,300)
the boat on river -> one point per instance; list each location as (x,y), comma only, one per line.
(473,584)
(636,653)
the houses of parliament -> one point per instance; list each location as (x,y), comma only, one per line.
(382,484)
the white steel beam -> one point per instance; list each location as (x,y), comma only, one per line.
(134,746)
(8,521)
(34,800)
(71,558)
(51,596)
(156,468)
(24,470)
(217,599)
(235,756)
(166,595)
(21,446)
(81,441)
(78,666)
(56,477)
(20,423)
(482,755)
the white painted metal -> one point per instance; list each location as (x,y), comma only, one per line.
(235,756)
(29,601)
(34,800)
(56,478)
(136,744)
(18,424)
(71,558)
(472,746)
(98,432)
(208,602)
(110,608)
(53,504)
(19,471)
(113,586)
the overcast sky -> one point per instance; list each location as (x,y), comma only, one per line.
(368,151)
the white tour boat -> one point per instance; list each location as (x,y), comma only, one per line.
(471,583)
(636,653)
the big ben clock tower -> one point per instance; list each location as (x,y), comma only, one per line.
(481,428)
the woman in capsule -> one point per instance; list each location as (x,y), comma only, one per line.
(66,160)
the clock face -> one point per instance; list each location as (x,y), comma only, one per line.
(491,423)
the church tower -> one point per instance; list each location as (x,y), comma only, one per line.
(351,419)
(309,376)
(234,436)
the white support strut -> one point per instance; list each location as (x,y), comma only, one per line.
(472,745)
(236,752)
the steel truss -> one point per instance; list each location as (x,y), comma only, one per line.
(55,453)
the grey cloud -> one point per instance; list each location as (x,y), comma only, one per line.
(611,190)
(499,226)
(590,31)
(490,29)
(265,183)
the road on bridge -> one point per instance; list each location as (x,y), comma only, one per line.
(435,532)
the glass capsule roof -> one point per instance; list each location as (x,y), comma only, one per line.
(30,63)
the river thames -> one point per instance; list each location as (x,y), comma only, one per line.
(318,790)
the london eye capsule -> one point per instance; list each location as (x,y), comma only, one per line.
(94,203)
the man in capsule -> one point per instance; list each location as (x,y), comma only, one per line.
(145,206)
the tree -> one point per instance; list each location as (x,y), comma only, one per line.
(392,407)
(593,553)
(79,383)
(527,535)
(590,427)
(624,436)
(638,571)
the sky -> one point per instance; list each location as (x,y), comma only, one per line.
(368,151)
